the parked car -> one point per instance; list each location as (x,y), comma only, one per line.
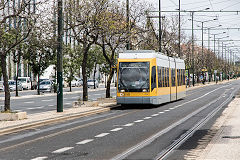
(12,85)
(26,82)
(46,86)
(1,86)
(90,83)
(80,81)
(75,83)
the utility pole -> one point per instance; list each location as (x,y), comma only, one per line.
(192,50)
(160,28)
(128,26)
(179,29)
(59,58)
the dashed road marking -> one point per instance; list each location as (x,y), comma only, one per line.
(29,102)
(40,107)
(154,115)
(39,158)
(75,97)
(51,105)
(62,150)
(137,121)
(161,112)
(116,129)
(30,108)
(129,124)
(101,135)
(171,108)
(85,141)
(147,118)
(47,100)
(67,103)
(18,110)
(166,110)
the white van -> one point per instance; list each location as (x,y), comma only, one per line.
(26,82)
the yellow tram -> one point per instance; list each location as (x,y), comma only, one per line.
(148,77)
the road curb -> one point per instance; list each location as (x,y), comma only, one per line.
(43,122)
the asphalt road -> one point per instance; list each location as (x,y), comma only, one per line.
(48,102)
(168,131)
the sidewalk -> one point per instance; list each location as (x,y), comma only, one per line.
(225,145)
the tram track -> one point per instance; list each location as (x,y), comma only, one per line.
(164,154)
(152,138)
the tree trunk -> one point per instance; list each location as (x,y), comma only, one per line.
(17,80)
(94,75)
(38,84)
(70,86)
(84,73)
(108,93)
(5,81)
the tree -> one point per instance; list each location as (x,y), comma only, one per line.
(10,38)
(84,25)
(39,52)
(70,63)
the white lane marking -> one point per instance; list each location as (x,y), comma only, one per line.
(116,129)
(40,107)
(85,141)
(166,110)
(65,98)
(30,108)
(67,103)
(161,112)
(137,121)
(129,124)
(154,115)
(62,150)
(147,118)
(29,102)
(101,135)
(75,97)
(47,100)
(50,105)
(39,158)
(171,108)
(18,110)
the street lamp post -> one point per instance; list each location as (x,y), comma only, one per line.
(59,58)
(160,28)
(128,26)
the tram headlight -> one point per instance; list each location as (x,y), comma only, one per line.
(122,90)
(144,90)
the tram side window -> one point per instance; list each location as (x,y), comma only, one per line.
(159,76)
(153,78)
(179,74)
(167,77)
(173,77)
(184,81)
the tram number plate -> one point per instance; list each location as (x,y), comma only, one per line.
(127,94)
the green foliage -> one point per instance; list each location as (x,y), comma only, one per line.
(38,54)
(71,62)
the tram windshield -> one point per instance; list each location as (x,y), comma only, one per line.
(133,76)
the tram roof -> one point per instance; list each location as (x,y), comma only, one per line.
(135,54)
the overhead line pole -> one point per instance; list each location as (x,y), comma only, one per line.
(59,58)
(160,28)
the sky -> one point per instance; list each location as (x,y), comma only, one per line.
(226,20)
